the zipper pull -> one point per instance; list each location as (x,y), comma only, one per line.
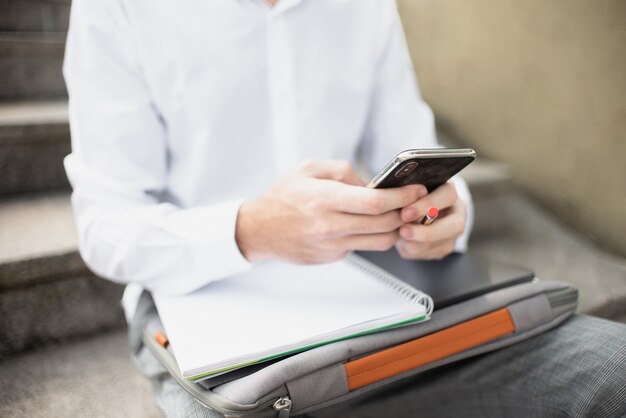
(283,406)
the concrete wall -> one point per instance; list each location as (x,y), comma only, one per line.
(540,84)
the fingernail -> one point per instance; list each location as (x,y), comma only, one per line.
(422,191)
(408,214)
(405,232)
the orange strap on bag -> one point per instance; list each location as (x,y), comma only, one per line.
(428,349)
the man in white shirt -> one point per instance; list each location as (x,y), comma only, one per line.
(191,122)
(174,129)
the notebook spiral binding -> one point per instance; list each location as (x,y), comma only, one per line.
(400,287)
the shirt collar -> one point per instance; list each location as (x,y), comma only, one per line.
(280,7)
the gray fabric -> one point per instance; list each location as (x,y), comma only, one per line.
(169,396)
(526,314)
(249,388)
(485,348)
(317,387)
(575,370)
(145,314)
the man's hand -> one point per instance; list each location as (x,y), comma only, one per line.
(435,241)
(319,213)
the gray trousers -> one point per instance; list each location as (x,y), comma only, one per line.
(575,370)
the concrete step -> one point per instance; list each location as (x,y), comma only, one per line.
(531,236)
(46,292)
(31,65)
(34,138)
(512,228)
(85,378)
(34,15)
(488,180)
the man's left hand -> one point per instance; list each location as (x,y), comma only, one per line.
(435,241)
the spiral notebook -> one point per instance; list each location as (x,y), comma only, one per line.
(278,309)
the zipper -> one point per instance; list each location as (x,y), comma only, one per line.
(283,407)
(267,408)
(275,401)
(264,409)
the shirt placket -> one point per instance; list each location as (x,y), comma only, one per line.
(282,91)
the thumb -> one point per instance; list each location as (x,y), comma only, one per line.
(338,170)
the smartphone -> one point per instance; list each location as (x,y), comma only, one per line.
(430,167)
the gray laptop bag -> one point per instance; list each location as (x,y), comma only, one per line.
(340,371)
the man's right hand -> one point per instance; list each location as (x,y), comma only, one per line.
(319,213)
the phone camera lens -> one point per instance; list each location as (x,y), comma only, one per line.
(406,169)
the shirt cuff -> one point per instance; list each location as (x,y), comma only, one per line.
(210,233)
(464,194)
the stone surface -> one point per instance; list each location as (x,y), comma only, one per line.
(488,181)
(30,168)
(487,178)
(88,378)
(34,138)
(57,309)
(530,236)
(31,65)
(32,114)
(36,227)
(32,271)
(46,291)
(34,15)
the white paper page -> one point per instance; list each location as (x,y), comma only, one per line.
(274,305)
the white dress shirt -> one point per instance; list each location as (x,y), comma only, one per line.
(179,111)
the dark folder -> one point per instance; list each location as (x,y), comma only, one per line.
(454,279)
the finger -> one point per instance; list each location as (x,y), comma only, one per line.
(338,170)
(450,226)
(349,224)
(442,197)
(369,242)
(439,251)
(410,250)
(366,201)
(420,251)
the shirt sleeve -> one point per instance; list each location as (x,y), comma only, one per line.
(118,169)
(399,118)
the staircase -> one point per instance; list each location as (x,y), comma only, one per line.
(59,322)
(46,292)
(62,332)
